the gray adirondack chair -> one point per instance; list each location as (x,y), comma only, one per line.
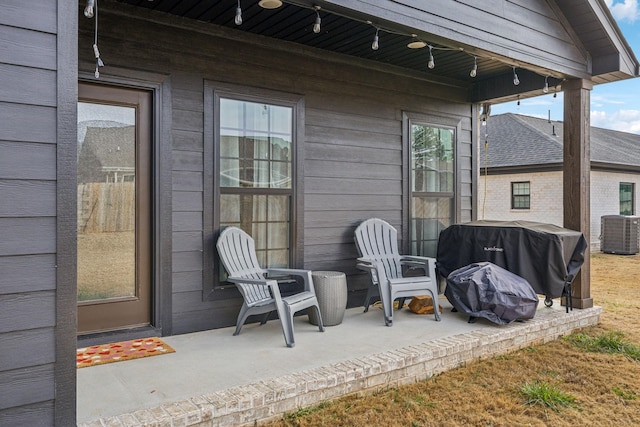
(377,243)
(261,294)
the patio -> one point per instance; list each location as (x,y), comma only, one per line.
(216,379)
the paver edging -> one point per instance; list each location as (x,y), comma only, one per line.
(264,400)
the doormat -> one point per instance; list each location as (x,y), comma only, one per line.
(120,351)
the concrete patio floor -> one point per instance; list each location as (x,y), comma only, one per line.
(217,379)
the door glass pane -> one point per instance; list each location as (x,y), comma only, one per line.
(106,201)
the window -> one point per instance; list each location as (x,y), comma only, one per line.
(255,174)
(432,185)
(520,195)
(627,199)
(250,155)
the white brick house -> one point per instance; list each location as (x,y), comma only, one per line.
(528,150)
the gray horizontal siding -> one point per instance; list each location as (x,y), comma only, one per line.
(27,273)
(27,161)
(187,140)
(187,201)
(29,48)
(187,221)
(27,415)
(26,386)
(342,186)
(187,161)
(187,241)
(27,236)
(187,261)
(27,123)
(39,16)
(27,310)
(28,85)
(22,198)
(24,348)
(187,181)
(187,281)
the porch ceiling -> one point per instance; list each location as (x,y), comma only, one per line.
(350,32)
(350,36)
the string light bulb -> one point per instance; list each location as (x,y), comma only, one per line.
(375,45)
(474,70)
(431,64)
(91,8)
(238,18)
(518,100)
(88,10)
(316,25)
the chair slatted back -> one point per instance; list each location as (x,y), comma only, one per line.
(376,239)
(237,252)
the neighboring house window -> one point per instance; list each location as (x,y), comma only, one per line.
(520,195)
(251,140)
(432,185)
(627,199)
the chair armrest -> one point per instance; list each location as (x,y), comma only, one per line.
(304,274)
(365,264)
(289,271)
(250,281)
(418,259)
(375,268)
(272,284)
(427,264)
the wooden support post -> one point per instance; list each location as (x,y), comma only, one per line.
(576,177)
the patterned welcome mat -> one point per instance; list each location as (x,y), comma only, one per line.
(119,351)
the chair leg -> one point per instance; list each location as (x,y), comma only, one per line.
(387,305)
(319,317)
(372,292)
(265,318)
(242,317)
(286,320)
(287,326)
(436,304)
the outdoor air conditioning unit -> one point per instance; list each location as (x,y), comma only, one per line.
(619,234)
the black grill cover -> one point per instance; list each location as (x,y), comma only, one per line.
(546,255)
(485,290)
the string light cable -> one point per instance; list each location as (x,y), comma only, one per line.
(484,118)
(417,42)
(91,11)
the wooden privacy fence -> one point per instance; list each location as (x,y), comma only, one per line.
(106,207)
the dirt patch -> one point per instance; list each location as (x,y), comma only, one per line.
(606,387)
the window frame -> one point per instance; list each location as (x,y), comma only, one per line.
(213,92)
(410,119)
(513,195)
(632,192)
